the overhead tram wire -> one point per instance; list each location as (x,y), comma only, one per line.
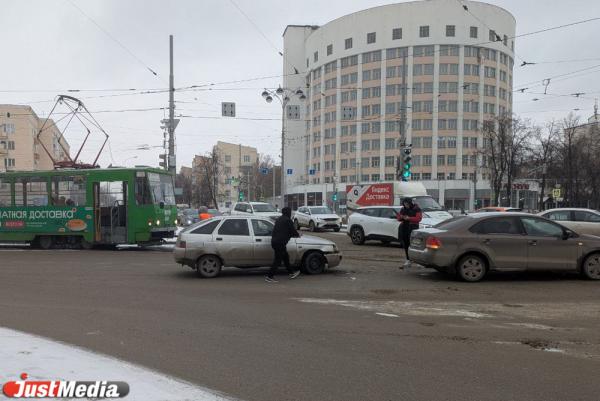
(296,70)
(113,38)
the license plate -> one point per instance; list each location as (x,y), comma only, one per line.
(416,241)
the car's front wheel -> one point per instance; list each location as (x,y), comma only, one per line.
(471,268)
(209,266)
(337,229)
(296,224)
(357,235)
(314,263)
(311,226)
(591,267)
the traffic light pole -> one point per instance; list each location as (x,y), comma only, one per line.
(171,161)
(402,124)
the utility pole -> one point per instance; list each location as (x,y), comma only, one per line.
(172,162)
(402,125)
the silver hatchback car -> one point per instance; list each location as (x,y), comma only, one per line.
(245,242)
(472,245)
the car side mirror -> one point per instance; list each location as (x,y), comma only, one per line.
(161,205)
(566,235)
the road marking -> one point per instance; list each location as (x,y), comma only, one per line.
(405,308)
(44,359)
(386,314)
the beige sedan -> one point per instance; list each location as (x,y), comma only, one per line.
(245,242)
(472,245)
(583,221)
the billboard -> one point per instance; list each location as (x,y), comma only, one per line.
(369,195)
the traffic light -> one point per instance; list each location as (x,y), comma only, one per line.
(334,197)
(406,164)
(241,196)
(163,163)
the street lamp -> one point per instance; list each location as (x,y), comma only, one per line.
(284,95)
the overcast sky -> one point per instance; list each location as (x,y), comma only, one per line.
(49,46)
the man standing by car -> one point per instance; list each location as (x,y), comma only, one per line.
(409,216)
(282,232)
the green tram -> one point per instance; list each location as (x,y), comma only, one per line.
(81,208)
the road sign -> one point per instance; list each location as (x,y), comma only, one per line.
(293,112)
(264,171)
(311,171)
(228,109)
(556,193)
(166,123)
(290,171)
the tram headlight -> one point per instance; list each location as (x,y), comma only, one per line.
(150,223)
(158,222)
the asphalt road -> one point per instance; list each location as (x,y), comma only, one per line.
(363,331)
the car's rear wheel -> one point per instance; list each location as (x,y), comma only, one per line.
(357,235)
(337,229)
(591,267)
(471,268)
(314,263)
(311,226)
(296,224)
(209,266)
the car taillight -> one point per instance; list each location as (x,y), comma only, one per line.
(181,244)
(433,243)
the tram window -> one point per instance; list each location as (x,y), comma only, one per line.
(5,194)
(143,195)
(111,193)
(69,191)
(19,194)
(36,191)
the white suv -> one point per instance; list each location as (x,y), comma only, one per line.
(255,208)
(374,223)
(317,217)
(380,222)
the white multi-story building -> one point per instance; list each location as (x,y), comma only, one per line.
(456,62)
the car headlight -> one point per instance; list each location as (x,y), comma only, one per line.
(335,248)
(425,226)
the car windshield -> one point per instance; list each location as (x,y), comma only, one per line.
(427,203)
(451,224)
(320,210)
(161,186)
(263,207)
(190,212)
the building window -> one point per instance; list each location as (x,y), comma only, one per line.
(389,177)
(348,43)
(329,50)
(374,161)
(397,33)
(389,161)
(449,50)
(374,177)
(246,159)
(371,37)
(473,32)
(426,176)
(424,31)
(11,145)
(426,160)
(9,163)
(9,128)
(441,160)
(227,158)
(450,30)
(492,36)
(451,160)
(316,56)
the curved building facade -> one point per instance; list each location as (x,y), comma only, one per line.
(440,69)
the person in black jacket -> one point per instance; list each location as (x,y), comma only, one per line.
(282,232)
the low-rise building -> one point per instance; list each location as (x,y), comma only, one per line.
(20,149)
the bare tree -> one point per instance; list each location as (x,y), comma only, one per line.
(571,152)
(505,143)
(209,169)
(544,148)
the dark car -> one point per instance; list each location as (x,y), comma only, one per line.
(472,245)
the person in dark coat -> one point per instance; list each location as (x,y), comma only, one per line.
(409,216)
(283,231)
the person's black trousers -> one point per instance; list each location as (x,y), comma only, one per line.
(406,239)
(281,255)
